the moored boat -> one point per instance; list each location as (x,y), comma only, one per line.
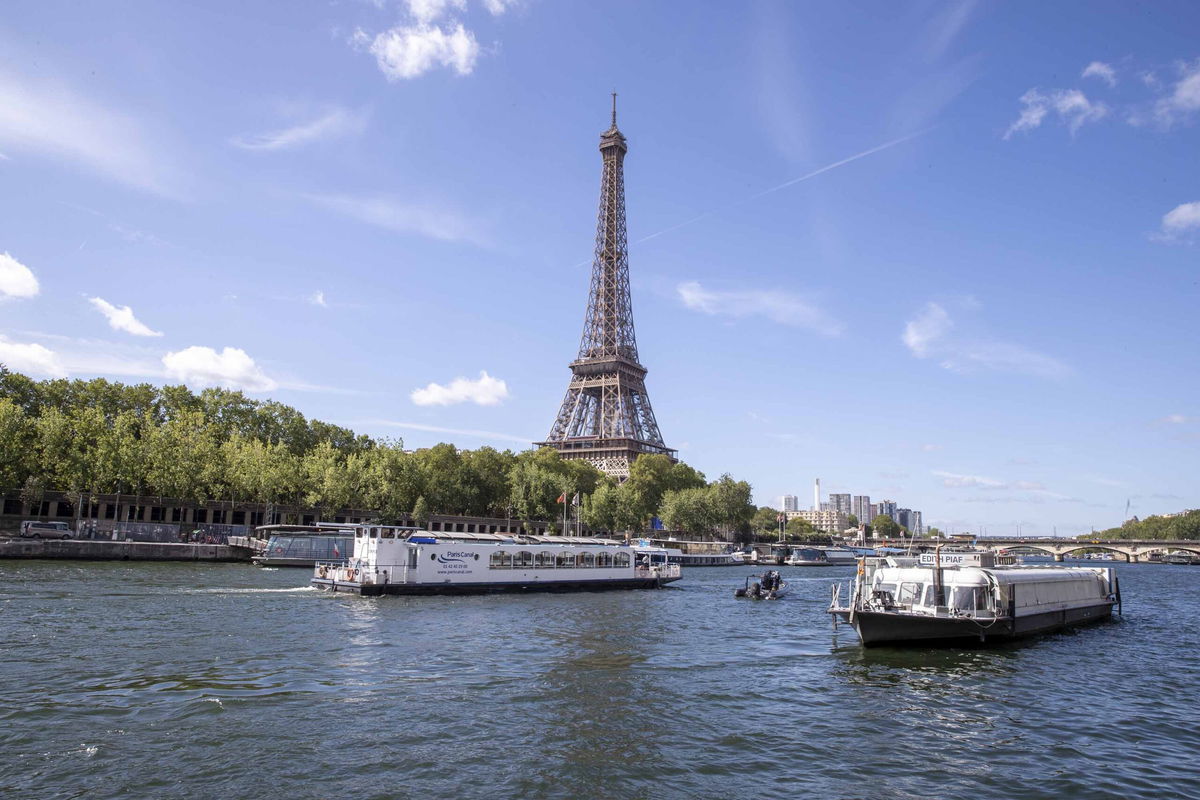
(821,557)
(398,560)
(966,597)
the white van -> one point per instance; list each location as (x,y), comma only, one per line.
(33,529)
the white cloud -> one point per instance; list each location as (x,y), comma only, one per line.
(231,368)
(1098,69)
(1176,419)
(484,391)
(929,448)
(1180,222)
(953,480)
(1071,105)
(31,359)
(777,306)
(121,318)
(333,123)
(16,279)
(51,120)
(395,215)
(927,327)
(431,10)
(498,7)
(928,335)
(318,299)
(408,51)
(1184,98)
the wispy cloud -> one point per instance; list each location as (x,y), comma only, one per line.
(1183,99)
(331,124)
(784,185)
(231,368)
(424,219)
(1180,224)
(52,120)
(483,391)
(16,279)
(778,306)
(1071,105)
(930,334)
(121,318)
(417,426)
(1177,419)
(1098,69)
(318,299)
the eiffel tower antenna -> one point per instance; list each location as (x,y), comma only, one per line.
(605,417)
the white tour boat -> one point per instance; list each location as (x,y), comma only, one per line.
(396,560)
(964,597)
(821,557)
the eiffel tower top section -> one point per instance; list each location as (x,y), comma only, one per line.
(608,326)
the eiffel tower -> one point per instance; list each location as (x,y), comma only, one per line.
(606,417)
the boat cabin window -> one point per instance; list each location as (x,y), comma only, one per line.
(968,598)
(587,560)
(544,559)
(930,595)
(890,588)
(500,560)
(565,561)
(522,560)
(909,592)
(604,560)
(374,533)
(387,535)
(621,560)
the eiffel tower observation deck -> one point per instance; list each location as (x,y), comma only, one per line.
(606,417)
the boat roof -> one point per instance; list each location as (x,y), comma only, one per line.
(344,530)
(974,576)
(512,538)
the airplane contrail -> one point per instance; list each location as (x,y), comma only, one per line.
(786,184)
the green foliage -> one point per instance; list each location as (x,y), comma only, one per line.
(102,437)
(884,527)
(765,523)
(798,528)
(1183,526)
(852,520)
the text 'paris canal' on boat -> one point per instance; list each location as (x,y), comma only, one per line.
(965,597)
(397,560)
(304,545)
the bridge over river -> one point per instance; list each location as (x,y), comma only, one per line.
(1133,550)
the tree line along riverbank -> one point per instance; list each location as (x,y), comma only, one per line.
(100,437)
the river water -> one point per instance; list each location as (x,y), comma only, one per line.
(123,680)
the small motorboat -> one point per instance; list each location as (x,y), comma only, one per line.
(768,586)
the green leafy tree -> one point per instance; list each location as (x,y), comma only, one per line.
(798,528)
(765,522)
(689,510)
(884,527)
(852,520)
(420,511)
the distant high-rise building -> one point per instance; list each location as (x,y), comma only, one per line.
(918,528)
(841,503)
(817,495)
(904,518)
(888,509)
(873,512)
(860,506)
(790,502)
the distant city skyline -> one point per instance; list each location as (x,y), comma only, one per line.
(383,214)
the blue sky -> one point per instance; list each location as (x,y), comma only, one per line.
(942,253)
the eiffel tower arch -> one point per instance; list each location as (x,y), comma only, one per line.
(606,418)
